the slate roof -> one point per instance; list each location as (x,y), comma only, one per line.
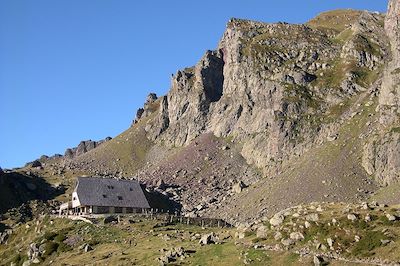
(95,191)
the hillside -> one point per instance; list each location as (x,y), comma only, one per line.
(277,116)
(301,115)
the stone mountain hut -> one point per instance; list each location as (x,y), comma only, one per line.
(94,195)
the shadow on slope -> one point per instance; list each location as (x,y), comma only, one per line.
(17,189)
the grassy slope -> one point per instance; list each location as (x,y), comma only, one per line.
(125,153)
(337,20)
(111,245)
(148,237)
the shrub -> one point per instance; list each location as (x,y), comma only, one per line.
(60,238)
(49,235)
(50,247)
(62,247)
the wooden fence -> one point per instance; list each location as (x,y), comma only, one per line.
(177,218)
(160,215)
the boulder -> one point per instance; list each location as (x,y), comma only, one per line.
(391,217)
(312,217)
(352,217)
(110,219)
(318,261)
(87,248)
(262,231)
(277,220)
(238,187)
(297,236)
(207,239)
(287,242)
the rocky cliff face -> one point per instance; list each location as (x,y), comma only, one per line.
(382,152)
(390,93)
(274,88)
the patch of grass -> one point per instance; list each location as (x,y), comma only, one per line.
(337,20)
(258,239)
(60,237)
(223,254)
(344,35)
(320,232)
(362,43)
(395,130)
(368,243)
(298,93)
(292,258)
(19,259)
(365,77)
(49,235)
(333,77)
(258,257)
(62,247)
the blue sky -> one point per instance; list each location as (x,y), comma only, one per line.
(79,69)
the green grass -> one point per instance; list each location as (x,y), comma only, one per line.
(258,257)
(370,241)
(223,254)
(292,258)
(337,20)
(344,36)
(50,247)
(395,130)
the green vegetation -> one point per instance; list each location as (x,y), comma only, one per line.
(337,20)
(370,241)
(258,257)
(395,130)
(300,94)
(49,248)
(366,77)
(344,36)
(291,258)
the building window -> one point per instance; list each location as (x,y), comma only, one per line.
(104,196)
(119,197)
(74,198)
(110,187)
(131,189)
(118,209)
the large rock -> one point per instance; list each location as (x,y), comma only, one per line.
(277,220)
(207,239)
(381,157)
(389,99)
(238,187)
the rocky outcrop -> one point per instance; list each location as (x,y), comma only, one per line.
(268,86)
(389,99)
(148,108)
(381,152)
(381,157)
(83,147)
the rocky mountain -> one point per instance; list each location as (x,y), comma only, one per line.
(290,133)
(277,115)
